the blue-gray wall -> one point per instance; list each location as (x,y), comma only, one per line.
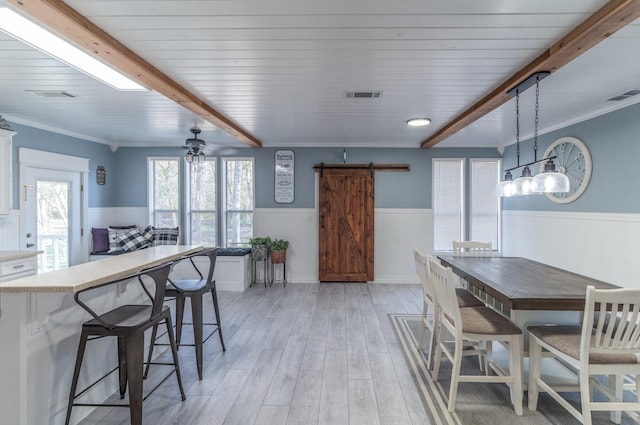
(393,189)
(97,153)
(614,142)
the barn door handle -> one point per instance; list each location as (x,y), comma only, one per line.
(322,221)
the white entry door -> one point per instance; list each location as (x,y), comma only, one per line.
(52,202)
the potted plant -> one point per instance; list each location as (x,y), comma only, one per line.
(279,251)
(260,248)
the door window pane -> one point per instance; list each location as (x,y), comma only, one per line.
(52,218)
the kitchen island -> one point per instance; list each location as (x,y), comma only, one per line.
(40,328)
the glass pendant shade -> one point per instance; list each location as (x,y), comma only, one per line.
(551,181)
(524,185)
(506,188)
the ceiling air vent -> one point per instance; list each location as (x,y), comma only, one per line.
(373,94)
(51,93)
(625,95)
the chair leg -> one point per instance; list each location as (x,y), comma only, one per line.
(455,375)
(616,386)
(135,356)
(216,310)
(179,317)
(438,353)
(152,343)
(423,326)
(196,313)
(174,352)
(433,339)
(585,395)
(76,374)
(535,357)
(515,369)
(122,365)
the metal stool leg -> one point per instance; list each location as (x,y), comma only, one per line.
(196,314)
(135,356)
(122,365)
(174,351)
(214,295)
(76,374)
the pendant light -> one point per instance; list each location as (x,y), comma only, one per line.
(522,185)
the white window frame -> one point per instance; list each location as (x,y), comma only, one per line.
(223,209)
(187,201)
(151,188)
(498,161)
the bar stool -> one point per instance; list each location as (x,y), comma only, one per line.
(128,323)
(194,289)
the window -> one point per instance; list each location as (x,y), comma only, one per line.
(451,218)
(448,202)
(201,206)
(484,216)
(164,192)
(238,202)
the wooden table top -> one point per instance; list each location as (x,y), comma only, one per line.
(524,284)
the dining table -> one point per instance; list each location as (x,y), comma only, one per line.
(527,291)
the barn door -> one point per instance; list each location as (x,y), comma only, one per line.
(346,225)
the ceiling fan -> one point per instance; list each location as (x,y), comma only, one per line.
(196,146)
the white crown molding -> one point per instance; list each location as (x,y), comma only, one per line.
(35,124)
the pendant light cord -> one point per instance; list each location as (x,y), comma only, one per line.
(518,126)
(535,128)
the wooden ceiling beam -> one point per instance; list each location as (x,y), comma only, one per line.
(610,18)
(71,25)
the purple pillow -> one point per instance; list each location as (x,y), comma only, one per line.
(100,238)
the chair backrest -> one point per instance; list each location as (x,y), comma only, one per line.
(471,249)
(211,254)
(422,267)
(617,328)
(443,281)
(156,276)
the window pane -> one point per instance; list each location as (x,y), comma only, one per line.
(203,228)
(239,175)
(165,219)
(447,202)
(203,186)
(239,228)
(484,220)
(166,184)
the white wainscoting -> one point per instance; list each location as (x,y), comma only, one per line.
(118,216)
(397,232)
(10,231)
(600,245)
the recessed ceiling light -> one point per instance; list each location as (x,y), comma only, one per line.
(30,33)
(418,122)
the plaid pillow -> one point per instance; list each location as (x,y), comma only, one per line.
(132,240)
(167,236)
(114,246)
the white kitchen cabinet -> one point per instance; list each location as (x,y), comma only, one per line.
(17,264)
(6,170)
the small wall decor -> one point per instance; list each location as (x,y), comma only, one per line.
(4,124)
(284,172)
(101,175)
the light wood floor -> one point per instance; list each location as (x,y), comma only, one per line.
(305,354)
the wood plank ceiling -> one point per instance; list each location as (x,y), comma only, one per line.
(279,70)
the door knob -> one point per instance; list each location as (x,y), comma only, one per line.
(30,245)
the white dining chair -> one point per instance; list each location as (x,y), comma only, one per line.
(474,324)
(430,321)
(610,346)
(472,249)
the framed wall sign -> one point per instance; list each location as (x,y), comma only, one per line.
(284,188)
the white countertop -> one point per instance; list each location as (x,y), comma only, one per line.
(16,255)
(94,273)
